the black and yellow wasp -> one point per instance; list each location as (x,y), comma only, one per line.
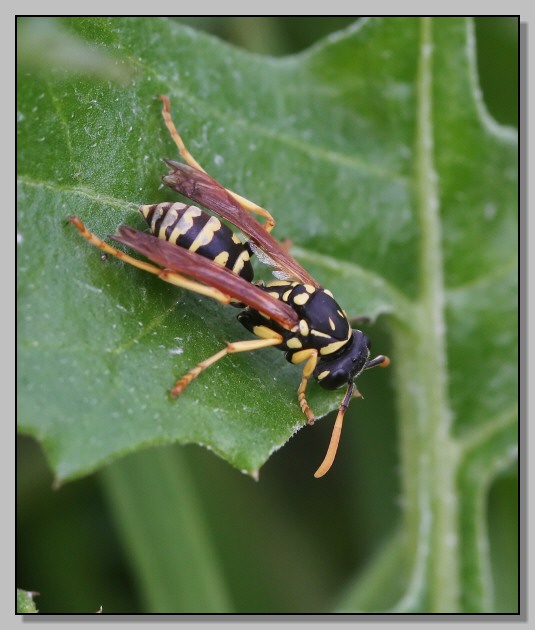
(194,250)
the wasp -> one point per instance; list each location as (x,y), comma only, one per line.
(195,250)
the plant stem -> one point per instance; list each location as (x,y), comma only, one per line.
(429,453)
(162,526)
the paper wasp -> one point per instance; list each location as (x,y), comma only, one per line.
(193,249)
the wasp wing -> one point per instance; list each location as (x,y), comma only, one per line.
(200,187)
(190,264)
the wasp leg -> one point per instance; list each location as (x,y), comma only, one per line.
(166,113)
(165,274)
(247,205)
(311,358)
(236,346)
(337,430)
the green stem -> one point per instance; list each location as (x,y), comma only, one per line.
(160,522)
(444,569)
(429,453)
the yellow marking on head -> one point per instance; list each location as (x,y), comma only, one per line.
(301,299)
(294,343)
(309,288)
(304,328)
(333,347)
(331,324)
(286,295)
(328,293)
(240,262)
(265,333)
(222,259)
(206,234)
(323,374)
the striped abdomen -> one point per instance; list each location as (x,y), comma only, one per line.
(193,229)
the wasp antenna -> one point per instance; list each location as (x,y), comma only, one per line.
(335,437)
(380,360)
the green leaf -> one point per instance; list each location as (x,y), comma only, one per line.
(101,343)
(375,154)
(25,603)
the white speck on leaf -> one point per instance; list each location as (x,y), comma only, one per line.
(489,211)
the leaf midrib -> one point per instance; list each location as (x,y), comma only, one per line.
(430,454)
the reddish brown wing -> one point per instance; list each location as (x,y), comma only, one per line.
(203,189)
(190,264)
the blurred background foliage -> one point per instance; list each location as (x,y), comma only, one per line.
(497,45)
(67,542)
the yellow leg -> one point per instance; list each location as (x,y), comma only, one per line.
(311,358)
(327,462)
(237,346)
(189,159)
(164,274)
(166,113)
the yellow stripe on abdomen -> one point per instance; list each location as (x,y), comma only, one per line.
(205,236)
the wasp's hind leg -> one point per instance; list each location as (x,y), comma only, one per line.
(234,347)
(164,274)
(247,205)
